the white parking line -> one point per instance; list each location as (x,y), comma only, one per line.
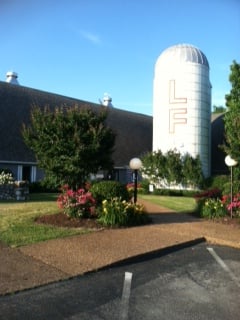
(125,296)
(224,266)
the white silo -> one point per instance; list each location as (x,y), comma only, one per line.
(182,103)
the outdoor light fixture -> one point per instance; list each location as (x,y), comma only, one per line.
(231,163)
(135,164)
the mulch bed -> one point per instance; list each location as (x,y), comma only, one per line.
(62,220)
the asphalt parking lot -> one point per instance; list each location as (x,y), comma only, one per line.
(195,281)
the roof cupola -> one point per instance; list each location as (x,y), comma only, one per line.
(107,100)
(11,77)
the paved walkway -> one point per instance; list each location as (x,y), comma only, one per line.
(54,260)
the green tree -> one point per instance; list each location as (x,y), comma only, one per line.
(192,171)
(154,164)
(171,168)
(232,116)
(232,122)
(70,143)
(219,109)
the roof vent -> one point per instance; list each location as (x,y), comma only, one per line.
(107,100)
(12,77)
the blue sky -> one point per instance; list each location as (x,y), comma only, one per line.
(84,48)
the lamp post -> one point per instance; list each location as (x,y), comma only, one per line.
(230,163)
(135,164)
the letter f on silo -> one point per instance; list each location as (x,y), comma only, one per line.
(176,118)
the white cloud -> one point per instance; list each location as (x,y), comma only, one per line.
(91,37)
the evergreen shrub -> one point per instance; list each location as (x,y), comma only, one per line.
(168,192)
(216,182)
(106,190)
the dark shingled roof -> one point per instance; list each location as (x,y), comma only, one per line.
(133,130)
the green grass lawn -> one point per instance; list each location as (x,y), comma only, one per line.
(178,204)
(17,226)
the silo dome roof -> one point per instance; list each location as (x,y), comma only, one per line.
(183,53)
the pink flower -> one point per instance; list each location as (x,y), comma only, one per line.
(76,203)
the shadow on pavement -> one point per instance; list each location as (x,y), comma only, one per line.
(172,217)
(153,254)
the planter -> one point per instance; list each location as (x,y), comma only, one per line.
(7,192)
(22,193)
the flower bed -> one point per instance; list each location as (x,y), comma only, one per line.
(10,189)
(212,204)
(118,212)
(110,212)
